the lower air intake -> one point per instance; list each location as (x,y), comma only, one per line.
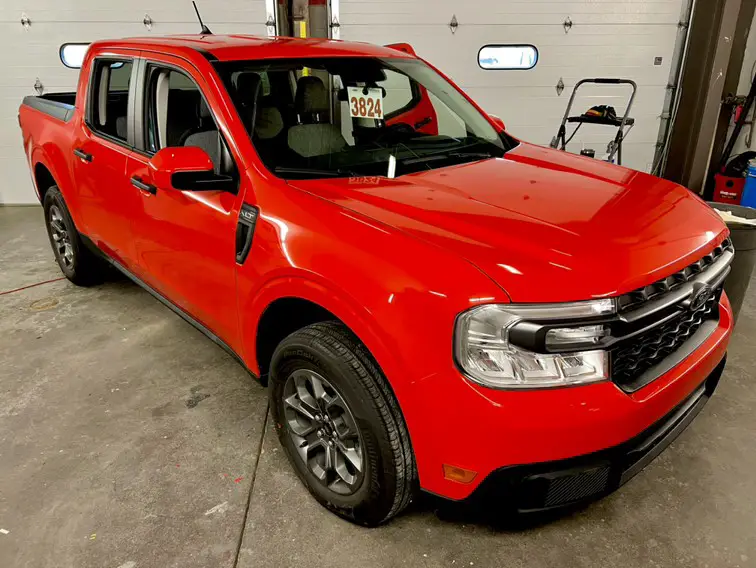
(578,486)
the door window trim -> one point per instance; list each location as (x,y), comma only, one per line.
(140,109)
(91,88)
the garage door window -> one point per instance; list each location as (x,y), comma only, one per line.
(72,54)
(521,57)
(109,98)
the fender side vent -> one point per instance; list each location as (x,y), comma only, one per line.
(245,230)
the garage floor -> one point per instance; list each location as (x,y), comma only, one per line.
(129,440)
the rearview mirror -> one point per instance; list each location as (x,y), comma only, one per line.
(499,123)
(188,168)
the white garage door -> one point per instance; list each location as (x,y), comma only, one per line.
(633,39)
(31,54)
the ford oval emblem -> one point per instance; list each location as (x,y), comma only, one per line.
(700,297)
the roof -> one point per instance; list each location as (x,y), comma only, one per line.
(235,47)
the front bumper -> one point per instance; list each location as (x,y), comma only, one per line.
(506,436)
(566,483)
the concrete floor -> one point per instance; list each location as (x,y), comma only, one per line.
(129,440)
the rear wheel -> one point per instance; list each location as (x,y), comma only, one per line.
(340,424)
(76,262)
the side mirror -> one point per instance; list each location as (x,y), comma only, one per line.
(187,168)
(498,123)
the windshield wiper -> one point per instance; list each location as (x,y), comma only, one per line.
(313,172)
(445,156)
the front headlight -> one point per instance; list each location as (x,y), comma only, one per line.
(485,353)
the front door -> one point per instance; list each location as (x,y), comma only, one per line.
(185,240)
(101,150)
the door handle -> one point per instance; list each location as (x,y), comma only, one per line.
(83,155)
(142,186)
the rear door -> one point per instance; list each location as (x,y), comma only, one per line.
(185,240)
(101,148)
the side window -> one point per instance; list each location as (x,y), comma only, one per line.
(176,114)
(109,97)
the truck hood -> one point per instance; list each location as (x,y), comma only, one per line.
(547,226)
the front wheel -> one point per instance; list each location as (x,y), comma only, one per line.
(340,424)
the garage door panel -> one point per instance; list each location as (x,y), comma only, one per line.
(634,39)
(549,75)
(545,99)
(17,186)
(629,35)
(75,11)
(405,13)
(40,49)
(644,133)
(571,58)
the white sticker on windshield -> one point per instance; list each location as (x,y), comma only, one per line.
(365,103)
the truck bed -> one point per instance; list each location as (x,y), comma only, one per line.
(57,105)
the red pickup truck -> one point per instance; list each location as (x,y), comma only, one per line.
(434,304)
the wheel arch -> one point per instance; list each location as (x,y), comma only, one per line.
(290,303)
(43,180)
(281,318)
(49,163)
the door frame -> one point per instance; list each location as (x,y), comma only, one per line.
(87,122)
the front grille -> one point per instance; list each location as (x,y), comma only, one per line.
(637,298)
(659,319)
(632,359)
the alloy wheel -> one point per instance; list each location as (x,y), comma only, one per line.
(61,237)
(323,431)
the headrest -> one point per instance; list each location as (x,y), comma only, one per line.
(203,111)
(311,96)
(247,87)
(269,123)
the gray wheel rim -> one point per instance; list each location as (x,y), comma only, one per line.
(61,238)
(323,431)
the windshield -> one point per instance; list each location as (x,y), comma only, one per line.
(356,116)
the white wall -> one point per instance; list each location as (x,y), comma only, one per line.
(33,53)
(632,39)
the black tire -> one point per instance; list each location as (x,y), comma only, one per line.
(78,264)
(388,480)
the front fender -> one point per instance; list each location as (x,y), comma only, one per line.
(399,295)
(324,293)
